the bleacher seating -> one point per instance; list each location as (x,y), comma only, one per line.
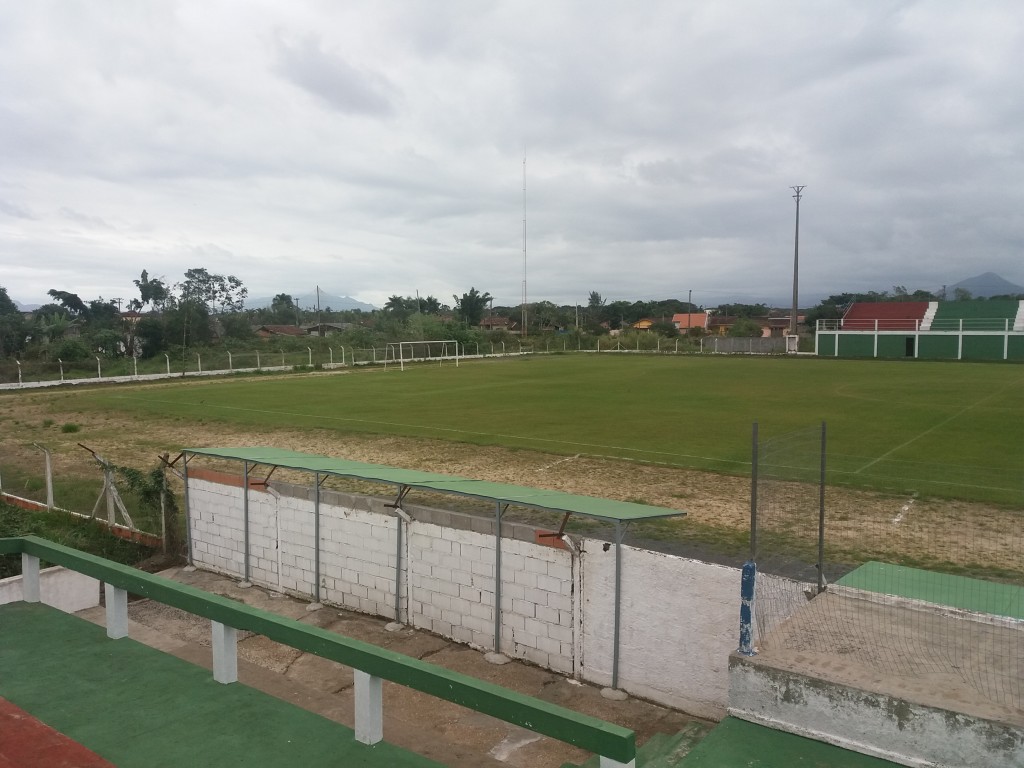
(885,316)
(977,315)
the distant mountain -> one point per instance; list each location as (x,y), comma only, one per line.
(26,307)
(308,301)
(984,286)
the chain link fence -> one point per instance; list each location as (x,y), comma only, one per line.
(911,586)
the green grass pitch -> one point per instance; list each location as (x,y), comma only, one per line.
(947,429)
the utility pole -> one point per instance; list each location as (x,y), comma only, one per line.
(522,330)
(689,308)
(796,259)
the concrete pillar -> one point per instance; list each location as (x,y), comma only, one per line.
(607,762)
(369,708)
(225,653)
(117,611)
(29,578)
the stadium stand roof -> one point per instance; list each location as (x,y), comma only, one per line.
(536,498)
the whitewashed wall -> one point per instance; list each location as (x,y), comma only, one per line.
(679,622)
(68,591)
(679,618)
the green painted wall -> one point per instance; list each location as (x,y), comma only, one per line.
(894,345)
(860,345)
(930,346)
(1015,349)
(983,348)
(938,347)
(826,344)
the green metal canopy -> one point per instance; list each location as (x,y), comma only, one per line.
(536,498)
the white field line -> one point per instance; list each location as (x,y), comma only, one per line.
(942,423)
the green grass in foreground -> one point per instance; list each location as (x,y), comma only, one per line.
(87,535)
(946,429)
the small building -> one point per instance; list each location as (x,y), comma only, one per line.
(684,321)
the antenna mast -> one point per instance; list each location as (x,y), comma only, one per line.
(523,332)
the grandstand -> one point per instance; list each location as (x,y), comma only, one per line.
(938,330)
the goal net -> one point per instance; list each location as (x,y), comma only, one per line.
(402,352)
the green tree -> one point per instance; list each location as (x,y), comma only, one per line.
(283,310)
(470,306)
(664,328)
(70,301)
(745,327)
(225,293)
(12,326)
(152,293)
(400,306)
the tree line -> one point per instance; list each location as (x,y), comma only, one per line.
(205,309)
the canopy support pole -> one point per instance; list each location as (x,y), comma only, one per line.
(498,511)
(244,583)
(400,517)
(188,517)
(316,542)
(618,603)
(496,656)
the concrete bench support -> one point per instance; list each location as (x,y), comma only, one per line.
(117,611)
(369,708)
(29,578)
(225,653)
(607,762)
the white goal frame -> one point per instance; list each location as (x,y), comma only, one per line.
(401,346)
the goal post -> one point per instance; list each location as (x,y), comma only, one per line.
(422,351)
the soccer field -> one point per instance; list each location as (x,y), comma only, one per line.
(946,429)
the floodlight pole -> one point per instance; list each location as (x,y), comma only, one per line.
(796,258)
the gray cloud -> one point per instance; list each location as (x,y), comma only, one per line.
(329,77)
(378,149)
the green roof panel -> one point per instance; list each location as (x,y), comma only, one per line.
(537,498)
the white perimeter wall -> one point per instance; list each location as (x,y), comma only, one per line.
(679,617)
(68,591)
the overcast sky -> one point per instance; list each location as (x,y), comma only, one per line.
(376,148)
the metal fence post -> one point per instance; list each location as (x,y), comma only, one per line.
(748,580)
(821,516)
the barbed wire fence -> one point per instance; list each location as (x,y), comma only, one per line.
(909,585)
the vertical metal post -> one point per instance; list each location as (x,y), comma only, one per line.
(753,494)
(497,577)
(748,582)
(316,539)
(618,603)
(398,565)
(821,516)
(188,518)
(245,526)
(796,259)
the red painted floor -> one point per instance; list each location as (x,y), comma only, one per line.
(27,743)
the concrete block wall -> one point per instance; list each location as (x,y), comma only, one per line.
(679,622)
(451,583)
(537,619)
(679,619)
(215,525)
